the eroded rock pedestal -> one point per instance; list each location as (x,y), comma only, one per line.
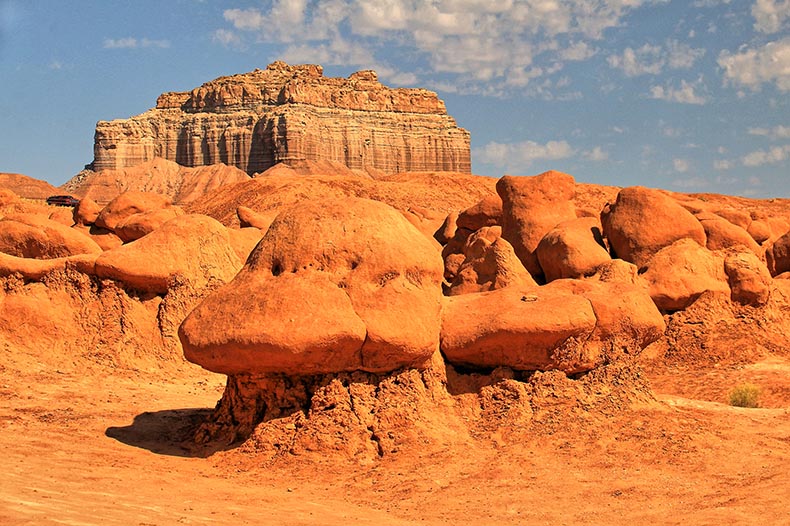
(290,113)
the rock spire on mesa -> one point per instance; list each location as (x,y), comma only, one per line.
(290,113)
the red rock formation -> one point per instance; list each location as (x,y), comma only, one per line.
(290,113)
(27,187)
(159,176)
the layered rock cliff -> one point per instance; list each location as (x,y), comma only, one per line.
(290,113)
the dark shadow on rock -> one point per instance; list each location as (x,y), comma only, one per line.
(170,432)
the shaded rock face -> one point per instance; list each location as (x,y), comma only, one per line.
(328,289)
(290,113)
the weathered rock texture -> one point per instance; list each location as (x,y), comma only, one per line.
(290,113)
(160,176)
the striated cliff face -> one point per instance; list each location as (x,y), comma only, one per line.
(290,113)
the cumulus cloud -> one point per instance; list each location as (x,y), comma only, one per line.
(723,164)
(775,133)
(680,165)
(687,93)
(134,43)
(596,154)
(522,154)
(475,41)
(774,155)
(770,16)
(652,60)
(227,38)
(751,68)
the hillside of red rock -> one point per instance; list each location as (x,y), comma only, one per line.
(26,187)
(178,183)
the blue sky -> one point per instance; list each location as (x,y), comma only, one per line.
(689,95)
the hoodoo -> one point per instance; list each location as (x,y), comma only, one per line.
(290,113)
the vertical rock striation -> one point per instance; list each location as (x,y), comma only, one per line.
(290,113)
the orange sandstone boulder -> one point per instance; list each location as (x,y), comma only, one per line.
(678,274)
(642,221)
(778,255)
(531,206)
(31,236)
(64,216)
(196,248)
(572,249)
(138,225)
(536,329)
(489,264)
(625,314)
(748,277)
(487,212)
(447,229)
(127,204)
(86,212)
(106,239)
(759,230)
(721,234)
(250,218)
(334,285)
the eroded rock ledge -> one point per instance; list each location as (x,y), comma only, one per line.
(290,113)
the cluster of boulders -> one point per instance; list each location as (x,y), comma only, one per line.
(525,279)
(139,239)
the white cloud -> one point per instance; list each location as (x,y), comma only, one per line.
(577,51)
(652,60)
(752,68)
(522,154)
(480,42)
(687,93)
(596,155)
(227,38)
(680,165)
(774,155)
(722,164)
(134,43)
(770,15)
(775,133)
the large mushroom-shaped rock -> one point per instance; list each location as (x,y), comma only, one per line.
(778,255)
(722,234)
(30,236)
(572,249)
(531,206)
(86,212)
(489,264)
(748,277)
(138,225)
(192,246)
(535,329)
(127,204)
(642,221)
(678,274)
(334,285)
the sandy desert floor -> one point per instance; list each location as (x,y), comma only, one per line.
(93,447)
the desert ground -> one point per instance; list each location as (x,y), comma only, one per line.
(102,446)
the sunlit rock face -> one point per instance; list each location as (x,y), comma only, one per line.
(290,113)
